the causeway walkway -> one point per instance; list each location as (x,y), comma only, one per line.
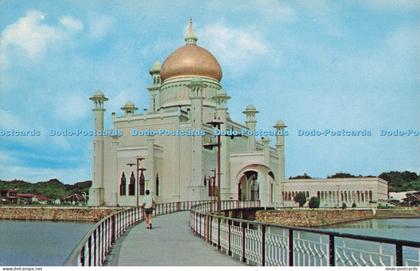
(169,243)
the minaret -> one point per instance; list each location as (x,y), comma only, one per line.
(251,123)
(154,88)
(221,99)
(196,188)
(279,126)
(96,192)
(190,37)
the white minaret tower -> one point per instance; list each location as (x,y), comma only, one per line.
(96,192)
(279,126)
(251,122)
(196,188)
(221,99)
(154,88)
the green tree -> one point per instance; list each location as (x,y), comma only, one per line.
(401,181)
(300,198)
(304,176)
(314,202)
(342,175)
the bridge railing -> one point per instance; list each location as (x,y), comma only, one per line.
(264,244)
(97,242)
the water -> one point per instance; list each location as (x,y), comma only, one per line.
(38,242)
(396,228)
(353,252)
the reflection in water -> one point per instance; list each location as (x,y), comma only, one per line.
(398,228)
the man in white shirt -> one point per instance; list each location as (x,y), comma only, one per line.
(148,204)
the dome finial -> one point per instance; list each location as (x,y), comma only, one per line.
(190,38)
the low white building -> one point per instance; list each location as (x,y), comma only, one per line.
(364,192)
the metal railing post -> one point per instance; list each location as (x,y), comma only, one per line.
(94,248)
(243,242)
(218,232)
(229,246)
(263,245)
(331,250)
(211,230)
(199,225)
(90,251)
(290,247)
(399,254)
(113,229)
(82,256)
(103,242)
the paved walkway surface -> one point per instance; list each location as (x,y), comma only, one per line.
(170,243)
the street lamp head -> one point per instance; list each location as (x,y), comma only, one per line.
(209,146)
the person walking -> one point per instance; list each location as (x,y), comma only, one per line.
(148,206)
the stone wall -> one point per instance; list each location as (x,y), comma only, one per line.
(55,213)
(398,213)
(312,218)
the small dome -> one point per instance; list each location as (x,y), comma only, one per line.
(99,93)
(155,67)
(98,96)
(279,124)
(191,60)
(129,104)
(250,107)
(129,107)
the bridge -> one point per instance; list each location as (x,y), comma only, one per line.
(200,237)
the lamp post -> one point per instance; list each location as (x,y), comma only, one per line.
(141,169)
(216,123)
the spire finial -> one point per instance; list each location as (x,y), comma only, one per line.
(190,38)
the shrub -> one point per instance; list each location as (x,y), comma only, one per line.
(300,198)
(314,202)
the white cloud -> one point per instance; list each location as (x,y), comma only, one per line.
(31,34)
(100,26)
(392,4)
(13,165)
(235,48)
(275,10)
(71,107)
(71,23)
(10,121)
(65,175)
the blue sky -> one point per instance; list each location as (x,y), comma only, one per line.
(314,64)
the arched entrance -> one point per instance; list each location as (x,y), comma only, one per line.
(248,187)
(257,182)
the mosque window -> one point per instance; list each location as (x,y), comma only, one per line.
(142,181)
(157,184)
(122,185)
(131,186)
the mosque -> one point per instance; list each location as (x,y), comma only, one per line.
(173,151)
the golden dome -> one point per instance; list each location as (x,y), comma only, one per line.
(191,59)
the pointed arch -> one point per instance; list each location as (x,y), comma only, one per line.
(142,184)
(131,186)
(157,184)
(122,185)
